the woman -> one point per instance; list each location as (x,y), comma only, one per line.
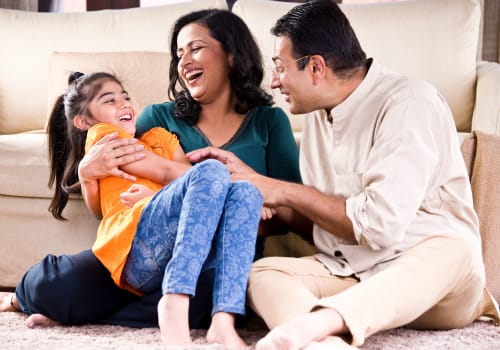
(218,66)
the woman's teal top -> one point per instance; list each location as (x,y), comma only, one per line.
(264,140)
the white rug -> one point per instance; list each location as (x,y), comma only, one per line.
(481,335)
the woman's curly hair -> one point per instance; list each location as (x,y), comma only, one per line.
(245,74)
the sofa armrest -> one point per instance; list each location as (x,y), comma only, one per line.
(486,115)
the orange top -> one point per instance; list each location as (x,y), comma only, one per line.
(119,223)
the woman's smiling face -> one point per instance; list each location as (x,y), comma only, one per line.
(203,64)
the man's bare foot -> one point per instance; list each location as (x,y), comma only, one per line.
(173,319)
(8,302)
(222,332)
(277,340)
(310,329)
(39,320)
(329,343)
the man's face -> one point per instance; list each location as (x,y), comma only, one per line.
(296,85)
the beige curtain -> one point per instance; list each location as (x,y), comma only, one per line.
(491,31)
(26,5)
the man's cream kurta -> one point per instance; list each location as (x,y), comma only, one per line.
(391,149)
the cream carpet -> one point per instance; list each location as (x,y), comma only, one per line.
(14,335)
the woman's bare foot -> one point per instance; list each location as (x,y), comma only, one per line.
(39,320)
(8,302)
(173,319)
(222,332)
(311,329)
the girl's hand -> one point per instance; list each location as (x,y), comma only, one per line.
(267,213)
(134,194)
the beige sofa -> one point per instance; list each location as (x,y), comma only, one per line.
(433,40)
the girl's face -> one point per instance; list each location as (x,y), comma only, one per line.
(203,64)
(111,105)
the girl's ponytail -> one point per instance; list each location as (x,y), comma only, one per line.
(59,149)
(62,138)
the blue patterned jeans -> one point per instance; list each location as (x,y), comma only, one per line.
(200,220)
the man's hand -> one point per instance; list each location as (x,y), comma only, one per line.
(268,187)
(106,156)
(267,213)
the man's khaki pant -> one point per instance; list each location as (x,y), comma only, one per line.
(438,284)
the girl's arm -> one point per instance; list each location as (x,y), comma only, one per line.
(90,193)
(157,168)
(113,156)
(152,166)
(102,160)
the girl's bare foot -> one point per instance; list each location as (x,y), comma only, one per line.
(222,332)
(173,319)
(8,302)
(39,320)
(313,330)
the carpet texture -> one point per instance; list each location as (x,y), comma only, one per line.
(481,335)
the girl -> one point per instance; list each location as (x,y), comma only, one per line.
(145,239)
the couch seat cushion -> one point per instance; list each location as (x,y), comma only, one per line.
(24,164)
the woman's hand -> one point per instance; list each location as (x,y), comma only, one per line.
(134,194)
(106,156)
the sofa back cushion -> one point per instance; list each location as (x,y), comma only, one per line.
(28,39)
(144,74)
(433,40)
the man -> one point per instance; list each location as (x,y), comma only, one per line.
(386,189)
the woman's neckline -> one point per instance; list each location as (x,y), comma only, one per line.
(239,131)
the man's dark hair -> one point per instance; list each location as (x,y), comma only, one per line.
(321,28)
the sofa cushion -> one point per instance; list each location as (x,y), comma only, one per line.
(143,74)
(24,164)
(29,232)
(433,40)
(28,38)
